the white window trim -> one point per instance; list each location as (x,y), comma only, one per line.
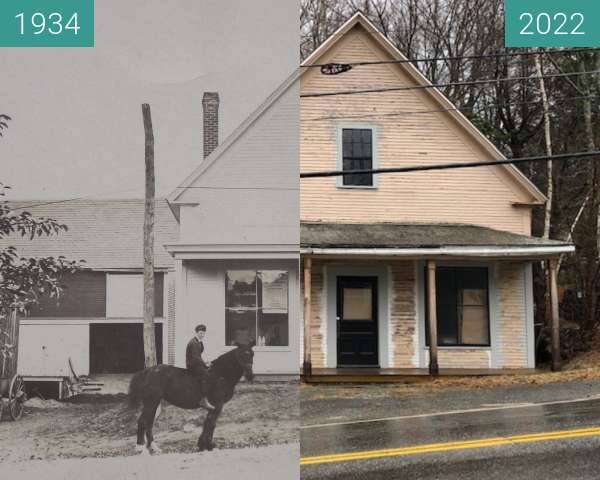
(340,154)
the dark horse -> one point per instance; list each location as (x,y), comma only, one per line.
(182,389)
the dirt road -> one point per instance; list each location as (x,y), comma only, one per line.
(264,463)
(101,426)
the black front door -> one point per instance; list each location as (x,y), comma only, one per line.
(357,322)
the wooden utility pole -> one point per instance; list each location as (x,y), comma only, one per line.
(556,360)
(149,340)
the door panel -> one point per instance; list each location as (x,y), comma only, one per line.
(357,342)
(119,347)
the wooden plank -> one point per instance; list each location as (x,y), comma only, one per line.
(432,318)
(402,375)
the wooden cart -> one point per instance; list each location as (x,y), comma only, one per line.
(12,396)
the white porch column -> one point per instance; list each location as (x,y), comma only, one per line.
(180,312)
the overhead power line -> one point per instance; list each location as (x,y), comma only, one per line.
(443,85)
(442,110)
(449,58)
(415,168)
(451,166)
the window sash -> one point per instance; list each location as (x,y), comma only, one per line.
(451,301)
(269,302)
(357,154)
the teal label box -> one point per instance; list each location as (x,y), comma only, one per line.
(46,23)
(552,23)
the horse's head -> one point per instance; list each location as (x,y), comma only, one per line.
(245,356)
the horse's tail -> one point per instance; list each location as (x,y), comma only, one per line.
(136,388)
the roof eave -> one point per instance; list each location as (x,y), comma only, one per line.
(446,251)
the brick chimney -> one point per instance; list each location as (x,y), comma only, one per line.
(210,108)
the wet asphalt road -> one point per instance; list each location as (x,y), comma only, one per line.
(577,458)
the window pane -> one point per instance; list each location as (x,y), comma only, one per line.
(474,326)
(357,155)
(358,304)
(462,306)
(272,328)
(273,291)
(272,318)
(473,297)
(240,326)
(240,289)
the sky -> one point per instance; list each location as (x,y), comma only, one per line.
(77,123)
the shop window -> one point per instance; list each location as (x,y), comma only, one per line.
(462,306)
(257,307)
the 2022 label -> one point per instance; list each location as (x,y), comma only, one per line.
(558,24)
(551,23)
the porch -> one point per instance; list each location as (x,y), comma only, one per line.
(390,301)
(404,375)
(241,294)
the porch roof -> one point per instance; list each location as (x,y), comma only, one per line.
(423,239)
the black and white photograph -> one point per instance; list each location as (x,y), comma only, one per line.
(149,246)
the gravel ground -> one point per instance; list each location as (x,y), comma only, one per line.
(102,426)
(332,403)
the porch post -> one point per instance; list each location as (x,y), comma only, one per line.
(307,367)
(552,264)
(180,320)
(432,318)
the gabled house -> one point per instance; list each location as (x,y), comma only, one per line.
(226,255)
(394,262)
(237,253)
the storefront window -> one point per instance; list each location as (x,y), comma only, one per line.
(462,306)
(256,307)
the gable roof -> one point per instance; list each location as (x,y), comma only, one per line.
(434,93)
(107,234)
(209,161)
(414,73)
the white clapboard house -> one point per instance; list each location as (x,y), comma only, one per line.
(226,255)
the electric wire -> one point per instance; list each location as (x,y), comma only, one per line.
(452,58)
(590,155)
(444,85)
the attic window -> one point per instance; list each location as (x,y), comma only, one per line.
(357,154)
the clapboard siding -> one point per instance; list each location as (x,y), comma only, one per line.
(250,194)
(480,196)
(512,328)
(403,315)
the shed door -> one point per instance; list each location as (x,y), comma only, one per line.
(119,347)
(357,322)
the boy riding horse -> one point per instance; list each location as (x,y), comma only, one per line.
(196,365)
